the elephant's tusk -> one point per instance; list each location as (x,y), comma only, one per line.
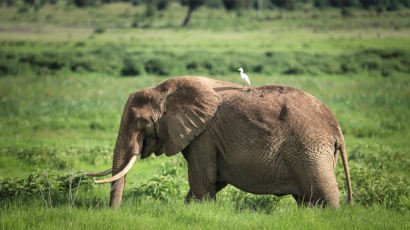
(120,174)
(103,173)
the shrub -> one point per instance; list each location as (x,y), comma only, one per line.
(161,65)
(162,4)
(56,59)
(130,68)
(83,3)
(40,184)
(257,203)
(374,186)
(233,4)
(99,30)
(164,188)
(287,4)
(213,4)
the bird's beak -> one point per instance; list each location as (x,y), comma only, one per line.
(238,69)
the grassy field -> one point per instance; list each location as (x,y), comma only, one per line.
(66,73)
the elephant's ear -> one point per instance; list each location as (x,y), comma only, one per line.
(189,106)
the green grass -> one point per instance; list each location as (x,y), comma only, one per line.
(66,74)
(219,215)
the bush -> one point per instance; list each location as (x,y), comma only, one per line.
(130,68)
(287,4)
(374,186)
(161,65)
(214,4)
(40,184)
(99,30)
(58,59)
(257,203)
(83,3)
(162,4)
(164,188)
(233,4)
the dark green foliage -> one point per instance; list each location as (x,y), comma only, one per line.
(233,4)
(214,4)
(153,5)
(287,4)
(162,66)
(131,68)
(83,3)
(166,186)
(375,187)
(192,6)
(162,4)
(136,2)
(342,3)
(320,3)
(56,59)
(39,184)
(150,8)
(99,30)
(7,3)
(192,3)
(256,203)
(29,2)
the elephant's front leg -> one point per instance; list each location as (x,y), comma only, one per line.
(202,172)
(218,187)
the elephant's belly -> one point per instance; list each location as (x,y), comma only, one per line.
(260,176)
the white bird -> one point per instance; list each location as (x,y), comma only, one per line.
(245,78)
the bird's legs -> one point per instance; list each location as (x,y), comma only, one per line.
(243,87)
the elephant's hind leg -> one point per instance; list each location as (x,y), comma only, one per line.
(321,191)
(317,181)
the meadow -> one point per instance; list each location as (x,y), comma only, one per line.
(65,74)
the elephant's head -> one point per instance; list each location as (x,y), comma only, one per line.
(161,119)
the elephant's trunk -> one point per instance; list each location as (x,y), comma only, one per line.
(128,146)
(120,159)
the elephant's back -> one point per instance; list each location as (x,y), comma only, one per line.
(272,106)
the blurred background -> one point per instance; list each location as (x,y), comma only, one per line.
(214,37)
(68,66)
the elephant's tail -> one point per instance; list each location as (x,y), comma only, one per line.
(347,172)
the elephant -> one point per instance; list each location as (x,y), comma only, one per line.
(271,139)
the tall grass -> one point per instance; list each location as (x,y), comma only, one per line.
(151,214)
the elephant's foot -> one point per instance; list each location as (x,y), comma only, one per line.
(189,197)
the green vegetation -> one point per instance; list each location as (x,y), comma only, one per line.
(66,73)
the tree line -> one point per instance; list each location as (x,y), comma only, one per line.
(233,4)
(158,5)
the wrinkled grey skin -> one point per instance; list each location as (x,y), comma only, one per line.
(271,140)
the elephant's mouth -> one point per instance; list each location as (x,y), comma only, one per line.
(144,153)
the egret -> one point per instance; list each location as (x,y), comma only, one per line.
(245,78)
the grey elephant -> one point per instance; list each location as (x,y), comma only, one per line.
(271,140)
